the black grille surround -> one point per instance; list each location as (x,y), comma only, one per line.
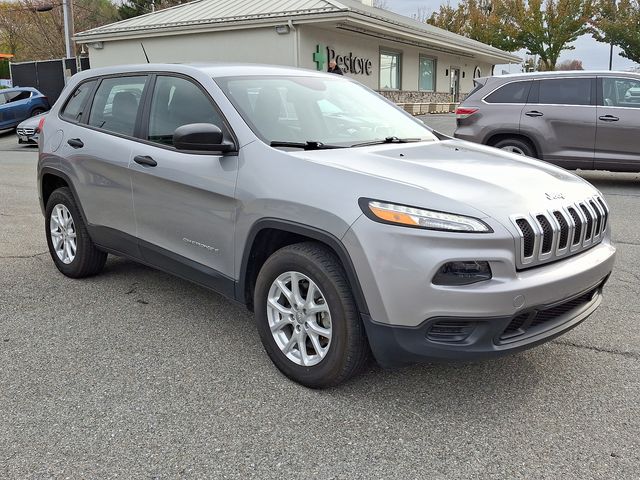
(542,319)
(547,236)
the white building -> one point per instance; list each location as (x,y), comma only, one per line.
(406,60)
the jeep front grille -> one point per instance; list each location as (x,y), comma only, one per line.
(560,232)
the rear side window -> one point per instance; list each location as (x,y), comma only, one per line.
(514,92)
(565,91)
(176,102)
(116,104)
(76,103)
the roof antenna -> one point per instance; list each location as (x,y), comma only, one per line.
(145,52)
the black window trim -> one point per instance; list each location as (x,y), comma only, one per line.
(84,103)
(143,113)
(142,134)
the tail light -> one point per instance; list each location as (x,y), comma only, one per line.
(40,124)
(463,112)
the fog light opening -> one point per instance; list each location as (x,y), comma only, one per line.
(462,273)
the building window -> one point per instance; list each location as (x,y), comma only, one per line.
(426,82)
(390,70)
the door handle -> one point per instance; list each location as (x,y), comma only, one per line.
(609,118)
(75,143)
(145,160)
(534,113)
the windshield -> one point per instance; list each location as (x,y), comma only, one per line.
(323,111)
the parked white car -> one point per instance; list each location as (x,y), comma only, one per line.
(27,131)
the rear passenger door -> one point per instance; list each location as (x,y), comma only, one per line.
(184,201)
(561,115)
(617,140)
(98,142)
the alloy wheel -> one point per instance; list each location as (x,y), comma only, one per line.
(299,318)
(63,233)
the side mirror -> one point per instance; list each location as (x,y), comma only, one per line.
(200,137)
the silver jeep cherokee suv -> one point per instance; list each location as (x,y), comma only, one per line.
(345,224)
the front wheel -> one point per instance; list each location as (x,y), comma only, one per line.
(70,246)
(306,316)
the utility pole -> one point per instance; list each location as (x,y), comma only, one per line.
(67,13)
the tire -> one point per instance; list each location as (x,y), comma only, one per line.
(87,260)
(517,146)
(37,111)
(347,351)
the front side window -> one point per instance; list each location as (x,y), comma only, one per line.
(427,74)
(565,91)
(177,102)
(332,111)
(3,99)
(76,102)
(515,92)
(620,92)
(390,70)
(116,104)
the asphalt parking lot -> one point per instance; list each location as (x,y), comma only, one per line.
(136,374)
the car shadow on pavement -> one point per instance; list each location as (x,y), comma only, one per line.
(507,377)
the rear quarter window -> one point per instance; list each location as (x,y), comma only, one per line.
(77,101)
(514,92)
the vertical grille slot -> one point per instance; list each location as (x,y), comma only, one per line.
(587,234)
(578,223)
(528,237)
(606,215)
(547,233)
(564,229)
(598,217)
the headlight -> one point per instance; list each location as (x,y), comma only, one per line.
(421,218)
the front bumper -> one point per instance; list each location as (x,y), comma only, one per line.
(464,338)
(404,304)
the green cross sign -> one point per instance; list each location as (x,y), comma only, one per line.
(319,57)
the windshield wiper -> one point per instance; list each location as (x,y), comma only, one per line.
(386,140)
(308,145)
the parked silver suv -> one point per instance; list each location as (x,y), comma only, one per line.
(582,120)
(344,223)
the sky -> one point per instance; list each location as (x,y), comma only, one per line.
(594,55)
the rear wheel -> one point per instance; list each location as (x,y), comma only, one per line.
(37,111)
(517,146)
(306,316)
(70,246)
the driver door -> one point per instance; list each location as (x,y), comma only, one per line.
(184,202)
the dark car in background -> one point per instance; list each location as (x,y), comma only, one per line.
(20,103)
(578,119)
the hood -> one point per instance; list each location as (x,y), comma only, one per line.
(489,180)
